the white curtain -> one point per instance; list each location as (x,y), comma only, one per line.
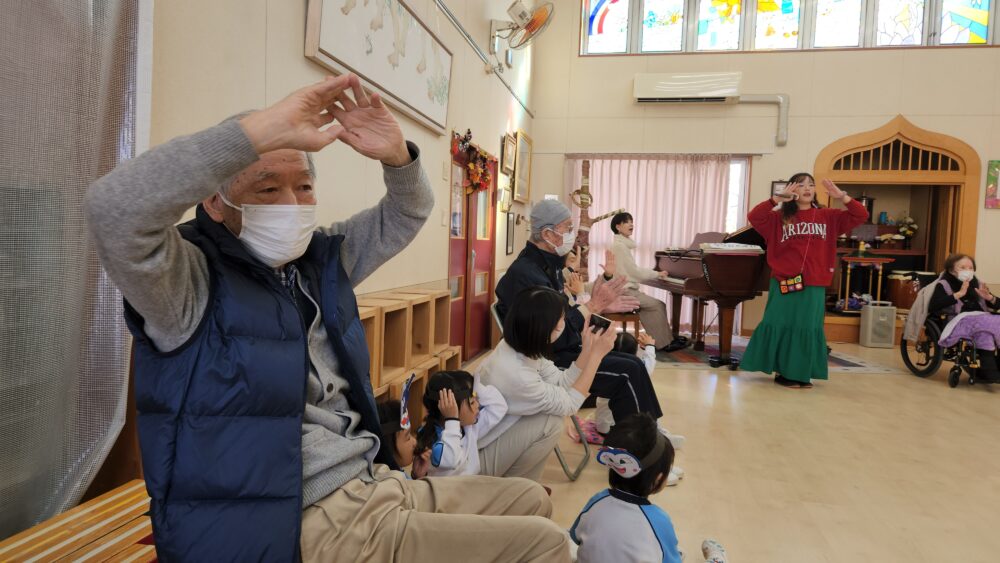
(671,197)
(68,89)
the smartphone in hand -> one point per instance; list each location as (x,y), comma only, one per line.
(599,323)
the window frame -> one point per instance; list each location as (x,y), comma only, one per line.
(867,37)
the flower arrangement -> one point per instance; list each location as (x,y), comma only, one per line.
(478,163)
(907,227)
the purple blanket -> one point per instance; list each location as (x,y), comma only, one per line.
(983,329)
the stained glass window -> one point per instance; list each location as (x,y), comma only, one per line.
(900,22)
(662,25)
(607,26)
(964,21)
(838,23)
(718,25)
(777,24)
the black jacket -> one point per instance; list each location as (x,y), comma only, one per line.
(533,268)
(942,303)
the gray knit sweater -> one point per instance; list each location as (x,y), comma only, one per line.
(132,212)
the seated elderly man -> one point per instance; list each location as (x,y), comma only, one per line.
(256,418)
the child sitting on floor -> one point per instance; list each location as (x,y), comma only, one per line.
(400,440)
(620,523)
(459,410)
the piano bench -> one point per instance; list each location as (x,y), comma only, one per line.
(626,318)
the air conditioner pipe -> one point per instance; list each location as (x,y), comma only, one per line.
(781,100)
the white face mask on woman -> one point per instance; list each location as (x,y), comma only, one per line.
(276,234)
(567,242)
(965,275)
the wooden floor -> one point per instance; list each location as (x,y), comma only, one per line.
(864,467)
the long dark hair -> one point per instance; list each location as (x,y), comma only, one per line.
(790,208)
(532,317)
(460,383)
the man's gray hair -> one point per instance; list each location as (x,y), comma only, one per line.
(228,184)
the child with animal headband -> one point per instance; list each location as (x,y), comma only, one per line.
(620,523)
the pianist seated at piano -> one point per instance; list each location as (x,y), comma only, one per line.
(801,238)
(652,311)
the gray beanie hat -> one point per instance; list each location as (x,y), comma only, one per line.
(547,214)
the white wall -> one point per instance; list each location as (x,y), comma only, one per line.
(213,59)
(584,104)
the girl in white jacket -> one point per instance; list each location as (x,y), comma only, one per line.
(459,410)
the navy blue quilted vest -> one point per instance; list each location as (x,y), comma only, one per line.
(220,418)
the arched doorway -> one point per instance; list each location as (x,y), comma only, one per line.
(901,154)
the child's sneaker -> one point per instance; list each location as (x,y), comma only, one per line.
(675,476)
(713,551)
(676,440)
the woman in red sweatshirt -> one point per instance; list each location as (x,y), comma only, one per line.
(801,240)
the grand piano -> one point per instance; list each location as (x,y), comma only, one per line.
(728,278)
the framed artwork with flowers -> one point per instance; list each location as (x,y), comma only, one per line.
(992,174)
(522,168)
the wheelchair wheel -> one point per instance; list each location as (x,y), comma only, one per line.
(924,356)
(953,376)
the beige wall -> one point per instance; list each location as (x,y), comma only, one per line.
(584,104)
(213,59)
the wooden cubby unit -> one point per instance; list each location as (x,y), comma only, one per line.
(440,316)
(422,324)
(394,351)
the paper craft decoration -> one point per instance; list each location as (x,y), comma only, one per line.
(404,413)
(620,461)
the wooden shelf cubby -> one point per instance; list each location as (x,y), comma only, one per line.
(422,325)
(451,358)
(440,316)
(394,349)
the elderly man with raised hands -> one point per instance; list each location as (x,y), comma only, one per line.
(257,422)
(621,378)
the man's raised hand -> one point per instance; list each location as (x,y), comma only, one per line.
(296,121)
(368,126)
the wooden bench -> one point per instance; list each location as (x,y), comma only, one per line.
(111,527)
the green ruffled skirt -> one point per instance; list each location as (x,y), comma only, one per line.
(790,339)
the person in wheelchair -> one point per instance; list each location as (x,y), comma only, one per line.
(966,304)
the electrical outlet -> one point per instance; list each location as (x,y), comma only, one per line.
(444,217)
(444,170)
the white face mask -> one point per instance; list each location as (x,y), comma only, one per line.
(567,242)
(276,234)
(966,275)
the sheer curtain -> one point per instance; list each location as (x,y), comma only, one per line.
(671,197)
(67,117)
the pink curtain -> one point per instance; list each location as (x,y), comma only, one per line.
(671,197)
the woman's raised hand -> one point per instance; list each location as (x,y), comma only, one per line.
(960,294)
(832,189)
(605,341)
(985,293)
(791,192)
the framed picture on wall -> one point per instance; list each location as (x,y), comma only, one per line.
(510,233)
(522,168)
(391,51)
(992,174)
(507,154)
(503,193)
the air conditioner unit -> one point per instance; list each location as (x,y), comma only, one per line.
(688,88)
